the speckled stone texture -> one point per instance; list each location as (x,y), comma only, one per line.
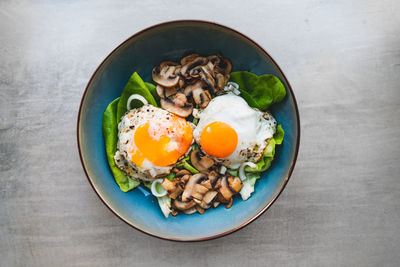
(342,204)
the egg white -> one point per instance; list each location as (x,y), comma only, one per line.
(253,127)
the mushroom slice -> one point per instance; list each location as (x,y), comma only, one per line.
(229,205)
(172,187)
(235,184)
(199,209)
(202,163)
(207,184)
(180,205)
(177,105)
(221,199)
(209,197)
(195,72)
(181,173)
(214,59)
(175,194)
(165,92)
(224,66)
(188,58)
(198,61)
(207,77)
(185,178)
(220,81)
(201,97)
(216,204)
(193,189)
(204,205)
(212,177)
(225,190)
(166,74)
(190,211)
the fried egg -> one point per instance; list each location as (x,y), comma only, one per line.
(231,132)
(150,142)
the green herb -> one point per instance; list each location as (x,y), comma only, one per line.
(187,166)
(170,176)
(232,172)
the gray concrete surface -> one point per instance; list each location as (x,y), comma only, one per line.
(342,205)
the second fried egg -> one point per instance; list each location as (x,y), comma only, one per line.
(232,132)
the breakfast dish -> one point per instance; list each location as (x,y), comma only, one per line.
(197,137)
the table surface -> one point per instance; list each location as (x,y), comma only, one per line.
(342,204)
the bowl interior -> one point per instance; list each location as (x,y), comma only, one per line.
(141,53)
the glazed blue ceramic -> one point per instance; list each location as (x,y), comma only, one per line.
(141,52)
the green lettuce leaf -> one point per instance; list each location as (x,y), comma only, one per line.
(110,133)
(268,155)
(135,85)
(153,92)
(252,174)
(248,185)
(259,91)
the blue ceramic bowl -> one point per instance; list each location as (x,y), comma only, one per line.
(141,52)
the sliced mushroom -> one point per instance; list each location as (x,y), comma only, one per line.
(207,184)
(225,190)
(174,212)
(221,199)
(207,77)
(224,66)
(181,173)
(177,105)
(199,209)
(190,64)
(188,58)
(185,178)
(172,187)
(212,177)
(204,205)
(216,204)
(214,59)
(166,74)
(193,189)
(202,163)
(195,72)
(190,211)
(165,92)
(209,196)
(229,205)
(235,184)
(201,97)
(181,205)
(168,185)
(220,81)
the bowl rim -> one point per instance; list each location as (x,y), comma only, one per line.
(260,212)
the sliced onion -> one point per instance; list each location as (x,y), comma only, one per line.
(137,97)
(222,170)
(154,189)
(195,113)
(242,175)
(232,87)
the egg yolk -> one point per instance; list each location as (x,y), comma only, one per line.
(218,139)
(161,143)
